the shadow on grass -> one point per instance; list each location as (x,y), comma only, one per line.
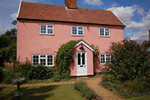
(29,93)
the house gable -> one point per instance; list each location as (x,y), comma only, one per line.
(82,42)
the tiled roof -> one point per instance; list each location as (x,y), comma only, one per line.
(60,13)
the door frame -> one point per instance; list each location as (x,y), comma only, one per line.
(77,63)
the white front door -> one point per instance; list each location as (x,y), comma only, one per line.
(81,58)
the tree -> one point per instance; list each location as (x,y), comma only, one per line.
(129,60)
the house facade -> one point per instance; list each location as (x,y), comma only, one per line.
(43,28)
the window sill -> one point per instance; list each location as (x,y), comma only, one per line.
(105,36)
(78,35)
(47,34)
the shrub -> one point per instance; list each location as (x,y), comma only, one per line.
(128,61)
(39,72)
(84,90)
(138,87)
(56,76)
(79,85)
(1,75)
(90,95)
(12,73)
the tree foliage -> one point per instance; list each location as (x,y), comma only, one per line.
(63,59)
(129,60)
(8,46)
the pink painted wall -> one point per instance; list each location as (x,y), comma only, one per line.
(29,41)
(90,67)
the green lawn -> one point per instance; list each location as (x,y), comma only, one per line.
(140,98)
(52,92)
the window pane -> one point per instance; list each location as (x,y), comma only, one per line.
(78,58)
(49,60)
(83,58)
(102,58)
(74,30)
(102,31)
(43,28)
(80,32)
(50,31)
(80,27)
(106,33)
(50,26)
(42,56)
(35,59)
(107,29)
(43,61)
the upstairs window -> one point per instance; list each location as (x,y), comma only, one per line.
(104,32)
(47,29)
(46,60)
(77,31)
(105,58)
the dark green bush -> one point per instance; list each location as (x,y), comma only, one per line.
(90,95)
(12,73)
(1,75)
(128,61)
(36,72)
(84,90)
(56,76)
(79,85)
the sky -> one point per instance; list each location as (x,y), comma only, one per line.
(135,14)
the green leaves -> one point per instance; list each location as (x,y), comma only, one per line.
(128,60)
(63,59)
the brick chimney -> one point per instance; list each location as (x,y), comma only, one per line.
(71,4)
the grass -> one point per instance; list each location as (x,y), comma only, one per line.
(52,92)
(140,98)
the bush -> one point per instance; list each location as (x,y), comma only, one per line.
(90,95)
(128,61)
(39,72)
(56,76)
(12,73)
(84,90)
(1,75)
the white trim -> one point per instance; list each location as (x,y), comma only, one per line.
(104,32)
(118,17)
(19,8)
(84,44)
(43,58)
(77,30)
(47,29)
(70,9)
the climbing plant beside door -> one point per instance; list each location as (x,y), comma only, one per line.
(63,59)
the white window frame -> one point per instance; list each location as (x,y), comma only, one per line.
(104,32)
(43,58)
(47,29)
(77,31)
(105,58)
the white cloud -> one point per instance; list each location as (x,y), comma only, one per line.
(141,11)
(14,16)
(140,36)
(114,4)
(129,34)
(124,13)
(94,2)
(143,25)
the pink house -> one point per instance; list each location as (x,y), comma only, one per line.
(43,28)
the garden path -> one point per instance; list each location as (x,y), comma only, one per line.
(103,93)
